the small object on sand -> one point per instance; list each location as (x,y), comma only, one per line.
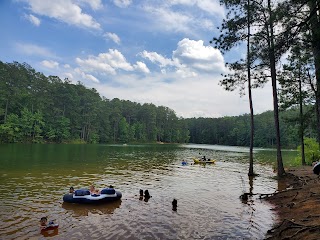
(141,193)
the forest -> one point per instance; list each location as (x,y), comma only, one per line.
(281,45)
(35,108)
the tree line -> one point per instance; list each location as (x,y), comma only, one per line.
(36,108)
(235,130)
(282,40)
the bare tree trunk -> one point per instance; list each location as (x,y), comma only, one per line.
(6,112)
(315,29)
(301,132)
(280,167)
(251,173)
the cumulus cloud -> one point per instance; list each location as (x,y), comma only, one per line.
(85,76)
(65,11)
(204,97)
(50,64)
(107,62)
(141,66)
(122,3)
(199,57)
(75,75)
(114,37)
(156,58)
(34,20)
(190,58)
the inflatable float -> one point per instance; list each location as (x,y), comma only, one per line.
(196,160)
(84,196)
(50,226)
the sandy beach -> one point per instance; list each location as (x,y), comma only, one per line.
(297,205)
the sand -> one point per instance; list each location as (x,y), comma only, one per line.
(297,206)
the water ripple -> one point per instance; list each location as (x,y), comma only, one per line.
(208,197)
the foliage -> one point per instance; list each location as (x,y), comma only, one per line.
(36,108)
(236,130)
(312,152)
(73,113)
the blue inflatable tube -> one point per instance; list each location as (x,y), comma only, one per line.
(83,196)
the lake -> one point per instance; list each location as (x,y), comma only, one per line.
(34,178)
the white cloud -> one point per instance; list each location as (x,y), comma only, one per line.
(199,57)
(212,7)
(34,20)
(190,76)
(141,66)
(107,62)
(32,49)
(76,75)
(184,16)
(114,37)
(94,4)
(169,20)
(65,11)
(122,3)
(189,97)
(157,58)
(50,64)
(95,64)
(85,76)
(190,59)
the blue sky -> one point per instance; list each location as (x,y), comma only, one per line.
(147,51)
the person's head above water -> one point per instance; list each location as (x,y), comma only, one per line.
(43,221)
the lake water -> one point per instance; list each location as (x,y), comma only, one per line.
(34,178)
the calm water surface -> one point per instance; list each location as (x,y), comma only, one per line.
(34,178)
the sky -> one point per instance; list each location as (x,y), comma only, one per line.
(145,51)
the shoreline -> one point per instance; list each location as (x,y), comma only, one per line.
(296,206)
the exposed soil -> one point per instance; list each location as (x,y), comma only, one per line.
(297,205)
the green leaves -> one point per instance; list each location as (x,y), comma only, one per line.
(36,108)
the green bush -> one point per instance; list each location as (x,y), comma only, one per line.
(311,151)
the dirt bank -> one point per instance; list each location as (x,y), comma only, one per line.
(297,206)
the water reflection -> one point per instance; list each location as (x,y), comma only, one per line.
(37,177)
(85,209)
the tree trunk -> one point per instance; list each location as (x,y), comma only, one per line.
(250,173)
(280,167)
(6,112)
(315,29)
(303,159)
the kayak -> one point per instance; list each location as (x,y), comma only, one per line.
(196,160)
